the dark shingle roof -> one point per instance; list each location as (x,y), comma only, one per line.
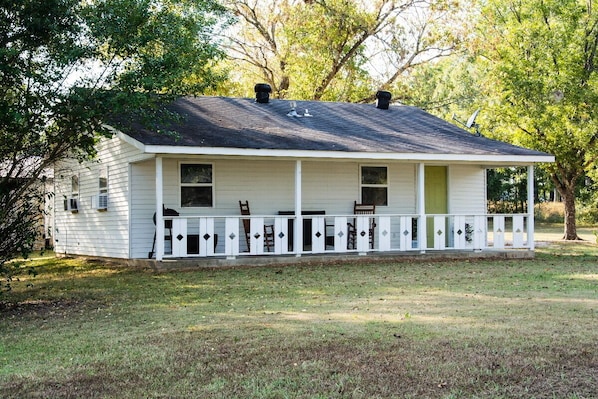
(243,123)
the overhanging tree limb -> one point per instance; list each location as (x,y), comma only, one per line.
(148,51)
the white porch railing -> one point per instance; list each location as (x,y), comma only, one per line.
(225,236)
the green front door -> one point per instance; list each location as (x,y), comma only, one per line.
(435,187)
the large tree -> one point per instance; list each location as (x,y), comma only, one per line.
(66,65)
(338,49)
(542,86)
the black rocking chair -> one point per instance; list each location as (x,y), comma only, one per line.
(361,209)
(167,229)
(268,229)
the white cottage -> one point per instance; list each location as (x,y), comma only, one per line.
(303,168)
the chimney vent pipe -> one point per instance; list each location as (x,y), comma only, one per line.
(383,99)
(262,93)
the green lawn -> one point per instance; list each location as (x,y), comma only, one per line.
(394,329)
(554,232)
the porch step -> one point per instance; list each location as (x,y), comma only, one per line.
(261,261)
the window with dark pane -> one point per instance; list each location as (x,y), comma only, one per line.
(374,185)
(374,195)
(196,173)
(374,175)
(103,180)
(75,186)
(196,196)
(196,185)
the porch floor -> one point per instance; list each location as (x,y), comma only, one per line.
(284,260)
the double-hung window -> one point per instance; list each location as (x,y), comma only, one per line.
(374,185)
(71,203)
(74,186)
(101,202)
(103,180)
(197,185)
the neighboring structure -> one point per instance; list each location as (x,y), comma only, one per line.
(46,238)
(43,187)
(301,165)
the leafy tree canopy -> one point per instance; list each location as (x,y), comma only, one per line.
(67,65)
(541,83)
(340,50)
(531,67)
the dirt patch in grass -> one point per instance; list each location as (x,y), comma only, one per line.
(344,366)
(88,383)
(40,308)
(340,366)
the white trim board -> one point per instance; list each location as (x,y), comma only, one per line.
(305,154)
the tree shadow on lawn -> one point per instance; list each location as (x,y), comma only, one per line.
(242,357)
(199,365)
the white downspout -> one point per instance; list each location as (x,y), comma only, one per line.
(530,208)
(130,209)
(159,212)
(298,244)
(422,237)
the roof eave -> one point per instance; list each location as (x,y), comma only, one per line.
(506,159)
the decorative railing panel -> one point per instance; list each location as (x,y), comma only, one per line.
(233,236)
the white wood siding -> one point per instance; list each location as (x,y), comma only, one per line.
(334,186)
(402,190)
(89,231)
(330,186)
(467,190)
(269,187)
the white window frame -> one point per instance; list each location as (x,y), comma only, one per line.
(72,202)
(103,174)
(212,184)
(100,201)
(385,186)
(75,193)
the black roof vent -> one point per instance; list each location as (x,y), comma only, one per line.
(262,93)
(383,99)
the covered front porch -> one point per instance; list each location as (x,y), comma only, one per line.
(311,230)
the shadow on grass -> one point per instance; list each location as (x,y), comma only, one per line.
(478,328)
(199,365)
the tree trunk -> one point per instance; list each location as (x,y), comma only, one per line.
(570,224)
(283,87)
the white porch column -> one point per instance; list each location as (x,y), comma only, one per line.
(159,213)
(530,208)
(421,207)
(298,244)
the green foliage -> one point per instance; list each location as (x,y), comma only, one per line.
(506,190)
(448,86)
(588,209)
(66,67)
(159,47)
(549,212)
(342,50)
(328,53)
(12,273)
(531,68)
(541,84)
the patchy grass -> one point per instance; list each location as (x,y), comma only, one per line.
(555,232)
(479,329)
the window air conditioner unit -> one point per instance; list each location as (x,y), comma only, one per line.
(101,202)
(71,204)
